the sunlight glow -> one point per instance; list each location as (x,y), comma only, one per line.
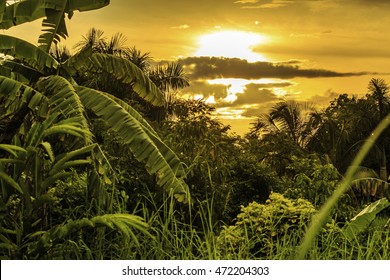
(232,44)
(234,86)
(210,100)
(280,92)
(238,86)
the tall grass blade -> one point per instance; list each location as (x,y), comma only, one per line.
(319,220)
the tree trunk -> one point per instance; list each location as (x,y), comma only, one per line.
(383,169)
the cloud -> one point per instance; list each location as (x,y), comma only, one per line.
(219,67)
(183,26)
(205,89)
(263,4)
(253,94)
(246,1)
(323,100)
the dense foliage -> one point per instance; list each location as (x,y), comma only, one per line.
(259,227)
(100,158)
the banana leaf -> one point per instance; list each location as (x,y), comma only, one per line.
(362,221)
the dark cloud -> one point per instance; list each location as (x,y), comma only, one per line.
(215,67)
(206,89)
(271,85)
(254,94)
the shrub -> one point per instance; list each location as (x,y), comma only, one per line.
(260,228)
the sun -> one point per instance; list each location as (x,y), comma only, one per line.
(232,44)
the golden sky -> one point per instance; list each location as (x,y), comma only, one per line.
(243,56)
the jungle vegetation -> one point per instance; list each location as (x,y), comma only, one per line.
(101,159)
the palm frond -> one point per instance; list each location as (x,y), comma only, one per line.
(170,76)
(12,149)
(65,161)
(5,178)
(94,40)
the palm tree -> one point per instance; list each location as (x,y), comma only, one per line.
(167,77)
(45,133)
(286,117)
(378,89)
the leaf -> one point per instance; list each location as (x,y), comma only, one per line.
(142,141)
(7,179)
(28,53)
(87,5)
(19,72)
(53,27)
(65,129)
(3,4)
(77,61)
(49,150)
(361,221)
(27,11)
(128,73)
(64,100)
(120,222)
(62,159)
(12,149)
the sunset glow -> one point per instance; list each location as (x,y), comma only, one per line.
(244,56)
(237,44)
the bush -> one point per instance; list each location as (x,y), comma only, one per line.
(250,180)
(261,227)
(316,182)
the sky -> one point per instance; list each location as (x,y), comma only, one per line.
(244,56)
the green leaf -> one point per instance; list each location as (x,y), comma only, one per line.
(19,72)
(53,27)
(27,52)
(62,159)
(65,129)
(49,151)
(27,11)
(77,61)
(64,100)
(12,149)
(361,221)
(142,141)
(128,73)
(123,223)
(2,8)
(7,179)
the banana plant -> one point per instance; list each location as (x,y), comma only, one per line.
(45,131)
(362,221)
(53,12)
(142,140)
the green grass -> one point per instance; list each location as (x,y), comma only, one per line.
(174,239)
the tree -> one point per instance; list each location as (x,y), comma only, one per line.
(45,134)
(378,89)
(345,124)
(287,117)
(168,77)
